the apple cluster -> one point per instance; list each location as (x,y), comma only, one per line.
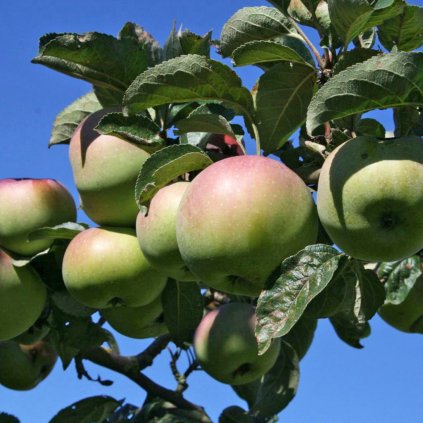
(226,228)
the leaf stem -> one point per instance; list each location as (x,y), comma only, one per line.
(309,43)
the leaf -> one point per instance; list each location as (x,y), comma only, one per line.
(235,414)
(279,385)
(301,336)
(206,123)
(250,24)
(352,17)
(407,121)
(68,305)
(100,59)
(283,94)
(164,166)
(181,42)
(186,79)
(67,230)
(364,294)
(93,409)
(259,52)
(139,34)
(370,127)
(405,31)
(391,80)
(297,281)
(135,128)
(68,120)
(399,278)
(352,57)
(108,98)
(8,418)
(248,391)
(182,309)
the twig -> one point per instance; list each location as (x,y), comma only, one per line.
(146,358)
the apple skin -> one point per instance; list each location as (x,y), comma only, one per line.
(103,267)
(23,367)
(105,169)
(370,197)
(22,298)
(408,315)
(28,204)
(137,322)
(156,232)
(226,347)
(238,220)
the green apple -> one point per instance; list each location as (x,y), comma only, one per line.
(408,315)
(103,267)
(22,297)
(23,367)
(105,170)
(28,204)
(370,197)
(156,232)
(239,218)
(226,347)
(39,330)
(137,322)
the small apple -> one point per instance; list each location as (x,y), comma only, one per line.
(408,315)
(23,367)
(239,218)
(103,267)
(28,204)
(370,197)
(105,170)
(22,297)
(226,346)
(156,232)
(137,322)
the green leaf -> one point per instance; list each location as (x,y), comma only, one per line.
(164,166)
(279,385)
(197,122)
(235,414)
(352,57)
(8,418)
(391,80)
(262,52)
(370,127)
(352,17)
(399,278)
(297,281)
(283,94)
(405,31)
(68,305)
(182,309)
(250,24)
(100,59)
(140,35)
(93,409)
(185,79)
(248,391)
(68,120)
(135,128)
(108,98)
(408,121)
(301,335)
(68,230)
(364,294)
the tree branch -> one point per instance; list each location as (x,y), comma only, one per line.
(128,367)
(146,358)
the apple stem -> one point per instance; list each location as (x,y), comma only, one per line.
(257,138)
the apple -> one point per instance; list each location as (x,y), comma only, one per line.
(408,315)
(370,197)
(137,322)
(27,204)
(226,347)
(156,232)
(23,367)
(22,297)
(39,330)
(103,267)
(105,170)
(239,218)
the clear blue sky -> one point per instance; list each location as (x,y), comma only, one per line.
(382,382)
